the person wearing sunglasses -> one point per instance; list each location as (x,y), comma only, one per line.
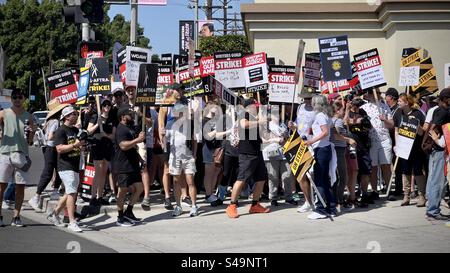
(16,124)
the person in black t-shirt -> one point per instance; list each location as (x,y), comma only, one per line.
(436,165)
(69,150)
(409,113)
(87,113)
(101,151)
(127,166)
(252,168)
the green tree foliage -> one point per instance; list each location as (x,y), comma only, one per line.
(34,36)
(209,45)
(31,34)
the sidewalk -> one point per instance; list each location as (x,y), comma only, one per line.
(388,225)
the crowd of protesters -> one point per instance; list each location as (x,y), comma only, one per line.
(236,151)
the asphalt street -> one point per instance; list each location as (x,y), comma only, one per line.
(383,227)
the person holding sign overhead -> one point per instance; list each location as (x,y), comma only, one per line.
(409,121)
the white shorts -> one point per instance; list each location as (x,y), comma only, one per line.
(177,165)
(8,172)
(142,151)
(71,180)
(381,153)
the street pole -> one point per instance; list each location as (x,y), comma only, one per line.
(134,18)
(196,30)
(85,32)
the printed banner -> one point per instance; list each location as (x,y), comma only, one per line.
(256,75)
(88,181)
(407,133)
(83,85)
(164,96)
(229,69)
(369,68)
(207,66)
(62,86)
(135,57)
(335,58)
(214,86)
(147,83)
(333,87)
(166,59)
(192,86)
(186,33)
(427,80)
(91,46)
(205,28)
(298,156)
(99,81)
(122,63)
(355,85)
(281,83)
(311,71)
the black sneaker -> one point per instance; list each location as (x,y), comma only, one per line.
(375,195)
(365,198)
(124,222)
(292,202)
(392,197)
(438,217)
(186,200)
(94,202)
(168,204)
(274,203)
(1,222)
(217,202)
(103,202)
(130,217)
(16,222)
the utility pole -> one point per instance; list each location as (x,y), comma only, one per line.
(134,18)
(225,16)
(208,9)
(196,30)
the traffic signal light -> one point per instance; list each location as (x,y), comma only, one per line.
(83,11)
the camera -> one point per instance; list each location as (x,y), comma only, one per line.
(352,151)
(82,135)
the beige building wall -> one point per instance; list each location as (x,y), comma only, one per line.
(390,27)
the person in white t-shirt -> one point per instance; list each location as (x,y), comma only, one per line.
(305,117)
(320,143)
(381,143)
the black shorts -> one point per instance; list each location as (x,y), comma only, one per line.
(364,162)
(102,149)
(252,168)
(124,180)
(413,166)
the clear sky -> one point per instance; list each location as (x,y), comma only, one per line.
(161,22)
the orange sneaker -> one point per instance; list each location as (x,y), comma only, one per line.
(232,211)
(258,209)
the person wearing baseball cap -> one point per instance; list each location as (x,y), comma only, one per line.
(127,166)
(252,169)
(69,149)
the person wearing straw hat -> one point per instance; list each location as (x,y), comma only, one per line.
(50,154)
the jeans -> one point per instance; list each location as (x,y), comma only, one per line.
(436,182)
(10,193)
(51,159)
(322,179)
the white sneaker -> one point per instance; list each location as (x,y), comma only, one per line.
(304,208)
(34,202)
(55,220)
(74,227)
(112,199)
(194,211)
(211,198)
(177,211)
(316,215)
